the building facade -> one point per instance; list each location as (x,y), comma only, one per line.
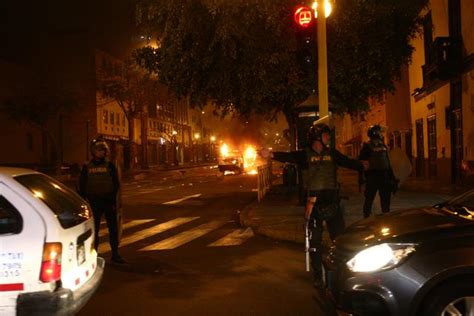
(442,81)
(69,49)
(430,113)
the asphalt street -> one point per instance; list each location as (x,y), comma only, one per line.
(188,255)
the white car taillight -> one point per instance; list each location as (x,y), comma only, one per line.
(51,264)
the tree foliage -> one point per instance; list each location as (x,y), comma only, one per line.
(245,55)
(130,86)
(134,89)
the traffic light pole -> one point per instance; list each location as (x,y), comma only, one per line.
(322,61)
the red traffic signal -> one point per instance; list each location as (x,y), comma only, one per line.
(303,16)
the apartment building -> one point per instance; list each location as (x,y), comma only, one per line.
(441,78)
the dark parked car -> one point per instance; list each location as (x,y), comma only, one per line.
(410,262)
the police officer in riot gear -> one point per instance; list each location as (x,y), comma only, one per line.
(321,160)
(99,184)
(379,177)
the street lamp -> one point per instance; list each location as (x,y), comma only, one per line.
(327,8)
(213,138)
(197,136)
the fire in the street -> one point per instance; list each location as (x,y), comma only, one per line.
(250,157)
(224,150)
(253,171)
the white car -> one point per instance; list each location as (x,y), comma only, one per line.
(48,264)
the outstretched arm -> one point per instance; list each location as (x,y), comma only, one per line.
(297,157)
(346,162)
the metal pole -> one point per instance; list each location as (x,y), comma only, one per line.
(322,61)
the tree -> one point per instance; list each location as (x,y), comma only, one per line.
(134,89)
(244,55)
(41,108)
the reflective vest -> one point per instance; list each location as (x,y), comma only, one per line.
(99,180)
(321,171)
(378,159)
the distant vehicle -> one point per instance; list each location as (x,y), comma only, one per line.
(233,160)
(409,262)
(48,264)
(230,160)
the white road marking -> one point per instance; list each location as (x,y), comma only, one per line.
(237,237)
(182,199)
(185,237)
(143,191)
(104,231)
(157,229)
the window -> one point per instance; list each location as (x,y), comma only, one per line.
(112,118)
(105,116)
(10,219)
(432,146)
(428,38)
(69,208)
(123,120)
(117,118)
(420,149)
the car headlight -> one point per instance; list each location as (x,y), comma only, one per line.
(380,257)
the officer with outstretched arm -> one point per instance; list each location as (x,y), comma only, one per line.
(322,204)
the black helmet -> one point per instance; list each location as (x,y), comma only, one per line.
(316,132)
(375,132)
(98,144)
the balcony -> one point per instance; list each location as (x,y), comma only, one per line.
(444,61)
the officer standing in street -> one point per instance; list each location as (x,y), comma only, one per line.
(379,177)
(99,185)
(323,203)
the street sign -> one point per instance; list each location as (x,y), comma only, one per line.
(303,16)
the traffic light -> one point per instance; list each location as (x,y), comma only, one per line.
(303,16)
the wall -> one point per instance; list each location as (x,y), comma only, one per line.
(20,143)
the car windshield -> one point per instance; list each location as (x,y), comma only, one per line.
(69,207)
(462,205)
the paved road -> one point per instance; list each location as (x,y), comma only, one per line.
(188,255)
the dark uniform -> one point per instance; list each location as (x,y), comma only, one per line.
(322,184)
(379,176)
(99,184)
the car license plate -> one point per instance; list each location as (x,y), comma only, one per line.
(81,254)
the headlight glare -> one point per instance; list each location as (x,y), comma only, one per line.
(379,257)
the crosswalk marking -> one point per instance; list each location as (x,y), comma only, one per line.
(182,199)
(157,229)
(104,231)
(235,238)
(185,237)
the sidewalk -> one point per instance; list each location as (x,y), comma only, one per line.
(279,216)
